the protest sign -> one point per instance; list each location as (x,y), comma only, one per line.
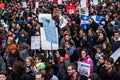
(35,42)
(24,4)
(50,30)
(95,2)
(59,1)
(84,68)
(45,44)
(62,21)
(36,4)
(71,9)
(116,55)
(47,16)
(84,11)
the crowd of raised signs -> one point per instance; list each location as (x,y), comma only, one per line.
(87,34)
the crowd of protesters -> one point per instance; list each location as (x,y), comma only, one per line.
(93,46)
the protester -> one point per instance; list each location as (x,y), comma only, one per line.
(72,72)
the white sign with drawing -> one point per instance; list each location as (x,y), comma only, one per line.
(84,68)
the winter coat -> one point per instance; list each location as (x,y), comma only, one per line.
(62,72)
(115,44)
(2,64)
(113,75)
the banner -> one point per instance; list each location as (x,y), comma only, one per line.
(62,21)
(24,4)
(45,44)
(2,5)
(116,55)
(71,9)
(84,11)
(84,68)
(35,42)
(47,16)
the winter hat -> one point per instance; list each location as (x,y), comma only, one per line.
(13,46)
(62,52)
(65,32)
(41,65)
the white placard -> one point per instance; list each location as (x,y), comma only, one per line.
(84,68)
(83,3)
(84,11)
(46,45)
(62,21)
(59,1)
(35,42)
(36,4)
(47,16)
(95,2)
(116,55)
(24,4)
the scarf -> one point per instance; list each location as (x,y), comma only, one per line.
(70,51)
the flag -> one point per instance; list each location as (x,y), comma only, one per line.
(103,21)
(62,21)
(71,9)
(85,22)
(96,18)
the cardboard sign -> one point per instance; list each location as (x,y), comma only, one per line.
(84,11)
(24,4)
(84,68)
(47,16)
(35,42)
(63,21)
(36,4)
(50,30)
(45,44)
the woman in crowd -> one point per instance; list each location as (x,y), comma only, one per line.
(12,56)
(30,65)
(107,49)
(85,58)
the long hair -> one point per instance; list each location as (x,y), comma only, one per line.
(31,60)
